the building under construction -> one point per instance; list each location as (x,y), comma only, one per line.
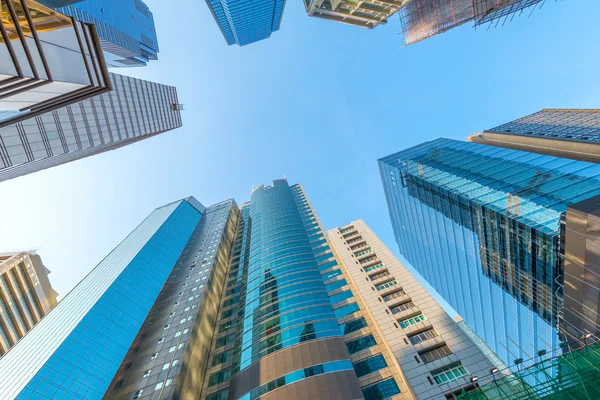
(421,19)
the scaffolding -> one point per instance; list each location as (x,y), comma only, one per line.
(421,19)
(493,10)
(573,375)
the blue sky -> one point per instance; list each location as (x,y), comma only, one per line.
(318,101)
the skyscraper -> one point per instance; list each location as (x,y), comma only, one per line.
(483,225)
(244,22)
(26,295)
(47,61)
(435,356)
(220,303)
(368,14)
(125,27)
(76,350)
(134,110)
(571,134)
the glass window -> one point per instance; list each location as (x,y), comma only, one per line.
(381,390)
(449,373)
(352,326)
(435,354)
(423,336)
(404,323)
(138,393)
(346,310)
(369,365)
(335,285)
(219,377)
(147,373)
(340,297)
(361,343)
(402,307)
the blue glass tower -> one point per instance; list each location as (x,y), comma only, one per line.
(483,225)
(125,27)
(246,21)
(75,351)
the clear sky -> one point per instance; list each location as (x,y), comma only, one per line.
(319,101)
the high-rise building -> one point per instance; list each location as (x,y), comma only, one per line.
(76,350)
(421,19)
(367,14)
(436,357)
(220,303)
(571,134)
(482,225)
(246,21)
(125,27)
(134,110)
(47,61)
(26,295)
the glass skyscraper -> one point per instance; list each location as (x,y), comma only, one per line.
(244,22)
(482,224)
(75,351)
(562,133)
(134,110)
(125,27)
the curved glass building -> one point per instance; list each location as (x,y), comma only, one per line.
(278,325)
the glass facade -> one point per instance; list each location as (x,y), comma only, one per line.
(283,301)
(134,110)
(47,61)
(75,351)
(244,22)
(489,218)
(125,27)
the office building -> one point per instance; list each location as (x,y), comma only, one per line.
(436,357)
(571,134)
(367,14)
(26,296)
(76,350)
(48,61)
(225,303)
(244,22)
(301,319)
(125,28)
(134,110)
(482,225)
(422,19)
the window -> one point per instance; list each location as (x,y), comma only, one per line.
(340,297)
(435,354)
(386,285)
(402,307)
(352,326)
(379,275)
(158,386)
(118,384)
(346,310)
(335,285)
(381,390)
(369,365)
(361,343)
(222,357)
(394,295)
(162,339)
(374,267)
(422,336)
(405,323)
(167,326)
(166,366)
(169,381)
(147,373)
(219,377)
(172,349)
(138,393)
(222,395)
(449,373)
(154,356)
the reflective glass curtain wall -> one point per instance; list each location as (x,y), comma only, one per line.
(75,351)
(482,225)
(125,27)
